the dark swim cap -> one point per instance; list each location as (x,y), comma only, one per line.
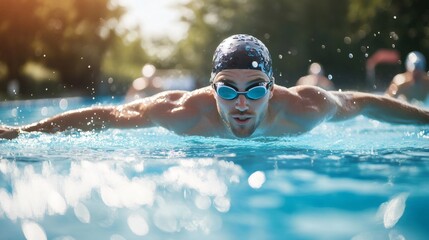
(242,51)
(415,60)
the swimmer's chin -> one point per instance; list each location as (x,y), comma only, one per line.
(243,135)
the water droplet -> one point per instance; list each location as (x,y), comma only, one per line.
(347,40)
(14,112)
(394,210)
(117,237)
(33,230)
(82,213)
(256,179)
(138,225)
(63,104)
(222,204)
(44,111)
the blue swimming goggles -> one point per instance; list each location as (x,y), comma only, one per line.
(254,93)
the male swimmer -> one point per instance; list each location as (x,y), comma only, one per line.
(316,77)
(412,85)
(241,101)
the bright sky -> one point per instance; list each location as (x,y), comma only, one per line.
(155,18)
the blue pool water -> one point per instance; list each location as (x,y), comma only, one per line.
(359,179)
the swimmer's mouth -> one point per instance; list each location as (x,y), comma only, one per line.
(241,119)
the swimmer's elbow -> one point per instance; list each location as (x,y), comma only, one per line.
(129,117)
(345,106)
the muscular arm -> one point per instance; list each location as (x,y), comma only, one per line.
(167,109)
(85,119)
(399,86)
(392,90)
(350,104)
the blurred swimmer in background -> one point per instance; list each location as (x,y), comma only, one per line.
(412,85)
(316,77)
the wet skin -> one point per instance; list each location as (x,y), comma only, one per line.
(282,111)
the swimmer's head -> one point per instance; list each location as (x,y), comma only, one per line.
(242,51)
(415,61)
(315,69)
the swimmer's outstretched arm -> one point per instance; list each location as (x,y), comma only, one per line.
(396,88)
(173,110)
(161,109)
(85,119)
(382,108)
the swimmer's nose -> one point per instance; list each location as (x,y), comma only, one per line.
(241,103)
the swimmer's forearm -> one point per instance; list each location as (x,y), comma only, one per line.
(391,110)
(386,109)
(83,119)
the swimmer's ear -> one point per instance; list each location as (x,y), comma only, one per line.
(212,89)
(272,88)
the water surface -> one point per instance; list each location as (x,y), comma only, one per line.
(358,179)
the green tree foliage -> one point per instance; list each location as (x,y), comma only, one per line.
(390,24)
(296,32)
(70,36)
(18,27)
(403,25)
(123,63)
(77,38)
(338,34)
(74,39)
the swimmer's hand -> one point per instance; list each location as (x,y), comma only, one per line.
(8,132)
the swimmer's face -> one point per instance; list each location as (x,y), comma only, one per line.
(242,116)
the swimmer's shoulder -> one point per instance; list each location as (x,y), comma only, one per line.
(307,98)
(175,99)
(304,106)
(198,100)
(201,97)
(308,92)
(401,79)
(295,96)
